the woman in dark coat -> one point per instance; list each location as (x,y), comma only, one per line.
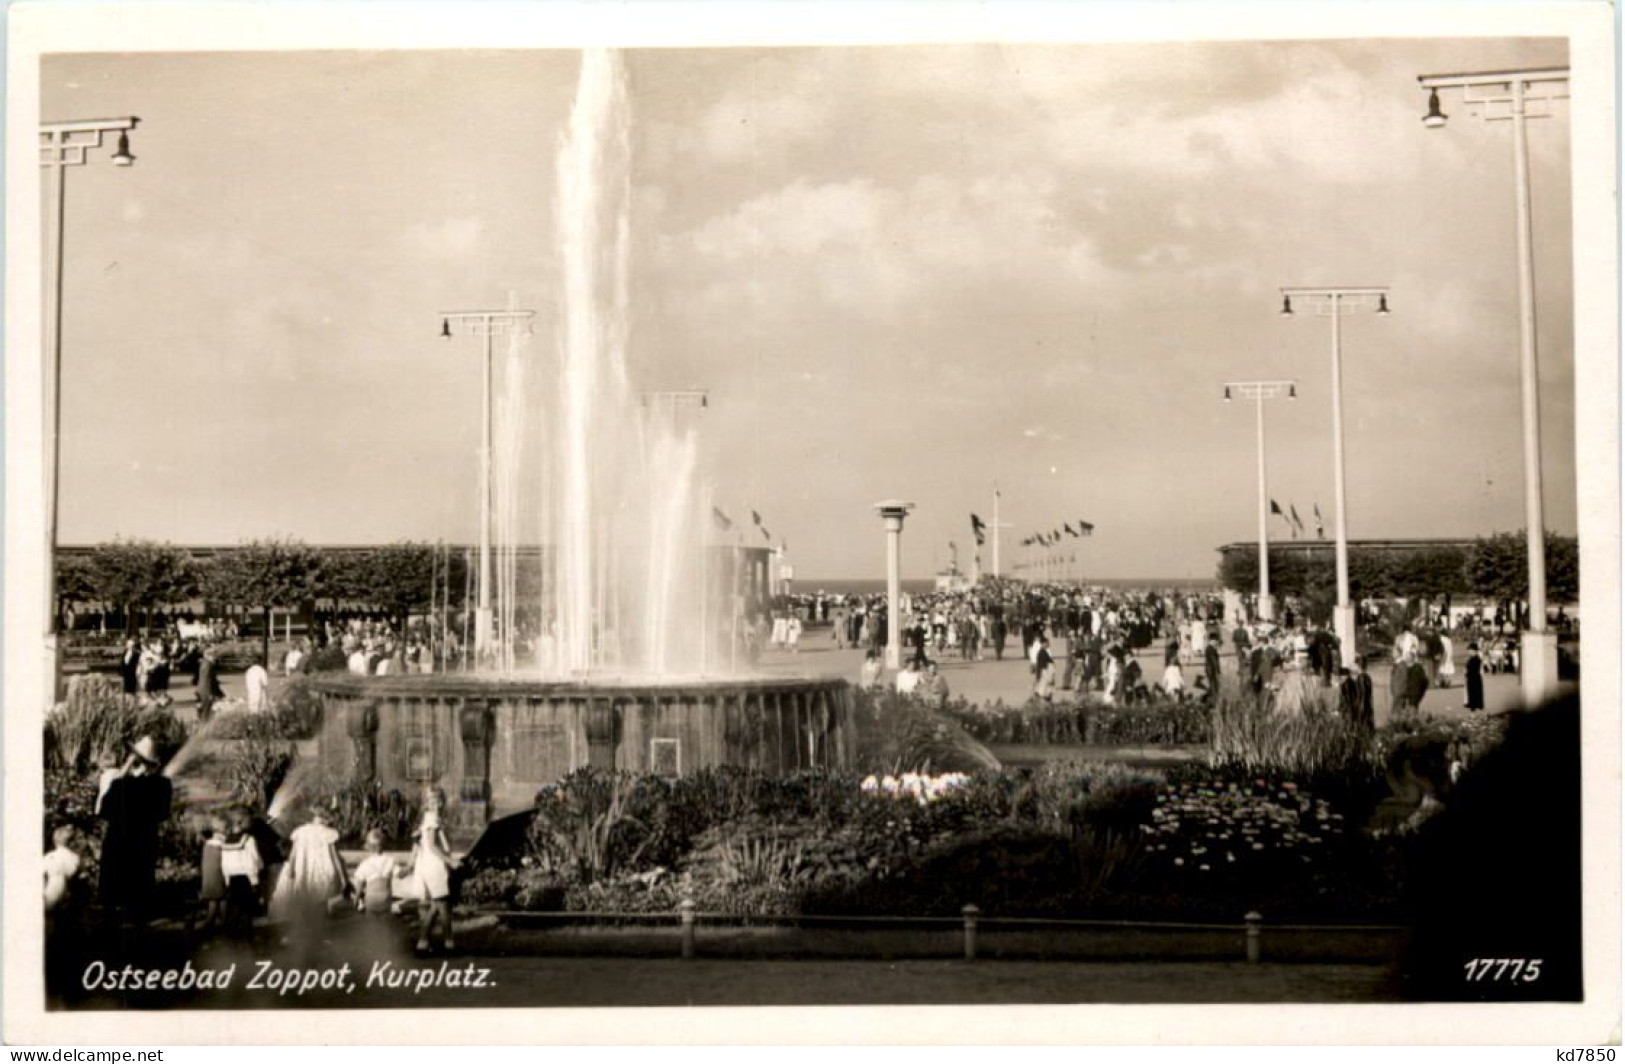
(135,807)
(1475,678)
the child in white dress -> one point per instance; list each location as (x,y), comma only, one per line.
(432,867)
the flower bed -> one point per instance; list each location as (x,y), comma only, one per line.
(1068,840)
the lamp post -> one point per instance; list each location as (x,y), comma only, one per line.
(63,144)
(1258,391)
(1334,303)
(488,324)
(892,512)
(1507,96)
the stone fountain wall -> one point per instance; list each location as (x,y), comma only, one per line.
(491,744)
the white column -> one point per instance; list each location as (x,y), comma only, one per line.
(1343,612)
(1266,611)
(482,618)
(53,411)
(1537,661)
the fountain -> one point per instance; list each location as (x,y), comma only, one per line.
(632,603)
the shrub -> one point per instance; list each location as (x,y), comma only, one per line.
(328,659)
(355,807)
(1309,741)
(584,828)
(1160,723)
(298,709)
(259,760)
(897,735)
(98,719)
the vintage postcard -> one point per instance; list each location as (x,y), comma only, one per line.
(523,519)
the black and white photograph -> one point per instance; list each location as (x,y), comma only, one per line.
(1076,508)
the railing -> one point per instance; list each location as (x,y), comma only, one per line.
(970,923)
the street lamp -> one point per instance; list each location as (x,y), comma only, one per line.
(1334,303)
(488,324)
(892,512)
(1502,96)
(1258,391)
(64,144)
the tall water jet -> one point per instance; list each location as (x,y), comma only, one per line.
(611,489)
(625,533)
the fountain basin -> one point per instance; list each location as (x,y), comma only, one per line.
(491,742)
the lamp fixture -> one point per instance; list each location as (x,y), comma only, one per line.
(122,157)
(1286,304)
(1382,304)
(1292,391)
(445,328)
(1435,118)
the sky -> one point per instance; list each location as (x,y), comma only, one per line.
(900,272)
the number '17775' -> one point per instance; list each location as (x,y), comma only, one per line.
(1502,969)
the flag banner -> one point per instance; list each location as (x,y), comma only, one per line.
(766,534)
(1275,508)
(756,517)
(978,530)
(1070,531)
(1296,520)
(1086,527)
(721,519)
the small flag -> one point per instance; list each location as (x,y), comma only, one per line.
(1070,531)
(1320,524)
(1296,520)
(721,519)
(757,518)
(766,534)
(1275,508)
(1086,528)
(978,529)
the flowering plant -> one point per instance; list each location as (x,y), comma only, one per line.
(1238,828)
(920,787)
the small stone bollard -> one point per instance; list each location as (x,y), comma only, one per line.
(970,912)
(1255,936)
(685,914)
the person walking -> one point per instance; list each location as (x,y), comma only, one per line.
(258,682)
(1475,679)
(209,690)
(999,632)
(1210,668)
(1355,699)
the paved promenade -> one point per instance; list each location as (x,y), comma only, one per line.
(1011,680)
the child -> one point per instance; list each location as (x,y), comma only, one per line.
(240,864)
(313,874)
(61,866)
(212,891)
(374,878)
(432,869)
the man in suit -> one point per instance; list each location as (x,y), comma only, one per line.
(1355,697)
(208,684)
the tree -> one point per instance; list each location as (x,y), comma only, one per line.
(140,574)
(75,581)
(399,578)
(265,575)
(1430,572)
(1498,567)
